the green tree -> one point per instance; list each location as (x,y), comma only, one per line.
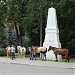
(26,16)
(66,22)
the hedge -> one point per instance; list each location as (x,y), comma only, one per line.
(2,52)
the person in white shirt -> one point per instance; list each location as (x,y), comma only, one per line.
(12,49)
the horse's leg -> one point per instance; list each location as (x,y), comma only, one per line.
(20,55)
(23,55)
(56,57)
(66,58)
(45,56)
(7,54)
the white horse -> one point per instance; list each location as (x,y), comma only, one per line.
(21,51)
(8,52)
(43,51)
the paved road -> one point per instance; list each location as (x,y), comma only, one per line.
(22,69)
(26,66)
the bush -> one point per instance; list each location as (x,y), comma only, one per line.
(2,52)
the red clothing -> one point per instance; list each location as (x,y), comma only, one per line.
(32,49)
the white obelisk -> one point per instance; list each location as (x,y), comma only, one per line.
(51,34)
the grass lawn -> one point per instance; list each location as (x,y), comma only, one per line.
(38,58)
(71,60)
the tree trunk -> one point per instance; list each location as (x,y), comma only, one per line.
(17,31)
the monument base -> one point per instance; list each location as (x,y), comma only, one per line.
(50,54)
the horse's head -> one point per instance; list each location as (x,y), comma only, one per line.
(18,48)
(50,47)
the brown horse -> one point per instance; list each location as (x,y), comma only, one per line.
(59,51)
(8,52)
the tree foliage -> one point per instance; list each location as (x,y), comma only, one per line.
(27,15)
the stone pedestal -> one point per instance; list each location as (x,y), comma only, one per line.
(52,34)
